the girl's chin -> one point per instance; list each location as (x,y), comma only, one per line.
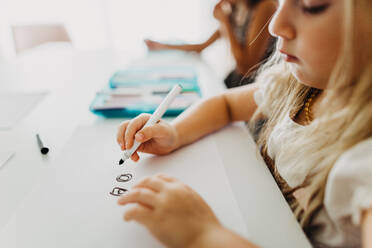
(307,80)
(299,75)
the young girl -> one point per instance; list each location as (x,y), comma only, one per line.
(241,23)
(317,101)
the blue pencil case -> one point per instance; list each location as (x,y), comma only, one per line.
(161,76)
(110,104)
(137,90)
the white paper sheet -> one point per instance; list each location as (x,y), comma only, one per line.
(73,207)
(5,156)
(15,105)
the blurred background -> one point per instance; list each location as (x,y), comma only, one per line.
(106,24)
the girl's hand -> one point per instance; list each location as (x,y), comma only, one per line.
(173,212)
(154,45)
(159,139)
(222,10)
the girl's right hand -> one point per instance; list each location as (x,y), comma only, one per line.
(160,138)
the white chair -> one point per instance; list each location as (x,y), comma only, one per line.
(29,36)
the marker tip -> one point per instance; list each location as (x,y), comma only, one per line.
(44,150)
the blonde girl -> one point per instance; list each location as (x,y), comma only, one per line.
(315,96)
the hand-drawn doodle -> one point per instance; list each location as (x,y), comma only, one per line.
(117,191)
(124,177)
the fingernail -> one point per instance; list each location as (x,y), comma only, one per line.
(139,136)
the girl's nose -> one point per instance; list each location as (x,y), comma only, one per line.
(281,25)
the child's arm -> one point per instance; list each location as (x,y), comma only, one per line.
(214,113)
(204,117)
(257,37)
(153,45)
(367,229)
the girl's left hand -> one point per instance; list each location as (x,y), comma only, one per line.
(173,212)
(222,10)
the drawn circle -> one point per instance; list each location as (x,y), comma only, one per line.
(124,177)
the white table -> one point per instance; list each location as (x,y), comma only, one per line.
(72,78)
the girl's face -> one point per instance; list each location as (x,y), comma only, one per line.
(310,37)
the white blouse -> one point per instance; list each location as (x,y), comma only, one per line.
(348,189)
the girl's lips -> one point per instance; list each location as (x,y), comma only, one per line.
(288,57)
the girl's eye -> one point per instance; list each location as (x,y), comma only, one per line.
(313,10)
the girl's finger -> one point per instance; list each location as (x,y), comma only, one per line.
(138,213)
(142,147)
(141,196)
(153,183)
(135,157)
(132,128)
(166,177)
(150,132)
(120,134)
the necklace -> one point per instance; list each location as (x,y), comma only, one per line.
(307,109)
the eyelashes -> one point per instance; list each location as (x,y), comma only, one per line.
(313,10)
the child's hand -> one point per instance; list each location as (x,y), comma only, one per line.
(222,10)
(153,45)
(159,139)
(173,212)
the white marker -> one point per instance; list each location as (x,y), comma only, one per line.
(154,119)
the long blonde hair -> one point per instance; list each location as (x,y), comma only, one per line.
(346,121)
